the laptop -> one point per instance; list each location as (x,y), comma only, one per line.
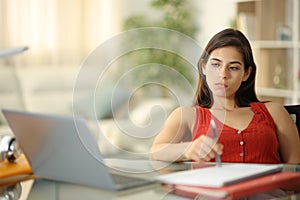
(62,148)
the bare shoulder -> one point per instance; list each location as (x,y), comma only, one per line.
(185,114)
(184,111)
(276,110)
(275,107)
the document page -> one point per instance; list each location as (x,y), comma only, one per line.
(219,176)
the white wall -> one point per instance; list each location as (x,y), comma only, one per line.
(213,16)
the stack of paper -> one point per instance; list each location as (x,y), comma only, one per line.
(230,181)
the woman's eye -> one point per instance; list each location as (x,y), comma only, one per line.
(215,65)
(233,68)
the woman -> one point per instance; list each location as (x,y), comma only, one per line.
(248,130)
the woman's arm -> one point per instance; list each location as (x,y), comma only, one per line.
(169,145)
(287,133)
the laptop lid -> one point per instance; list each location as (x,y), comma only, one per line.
(60,148)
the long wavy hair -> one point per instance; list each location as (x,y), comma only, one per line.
(246,93)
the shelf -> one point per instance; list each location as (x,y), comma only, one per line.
(244,1)
(272,26)
(273,92)
(274,44)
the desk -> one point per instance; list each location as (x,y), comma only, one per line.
(52,190)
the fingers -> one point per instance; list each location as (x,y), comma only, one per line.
(204,149)
(209,148)
(218,148)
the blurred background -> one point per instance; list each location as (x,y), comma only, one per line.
(62,34)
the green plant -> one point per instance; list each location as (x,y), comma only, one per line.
(175,15)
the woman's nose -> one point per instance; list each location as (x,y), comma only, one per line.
(223,72)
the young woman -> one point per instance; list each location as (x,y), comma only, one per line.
(248,130)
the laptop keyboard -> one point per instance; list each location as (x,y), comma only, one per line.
(126,180)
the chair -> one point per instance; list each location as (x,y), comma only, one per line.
(294,111)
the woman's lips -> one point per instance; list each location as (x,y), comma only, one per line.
(221,85)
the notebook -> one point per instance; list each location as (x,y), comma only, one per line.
(62,148)
(12,172)
(258,186)
(220,176)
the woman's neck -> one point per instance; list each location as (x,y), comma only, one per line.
(221,103)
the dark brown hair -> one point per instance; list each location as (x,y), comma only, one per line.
(246,93)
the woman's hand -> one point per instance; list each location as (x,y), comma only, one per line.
(203,149)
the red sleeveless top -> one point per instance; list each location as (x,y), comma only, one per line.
(256,144)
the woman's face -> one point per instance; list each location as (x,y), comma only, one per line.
(225,71)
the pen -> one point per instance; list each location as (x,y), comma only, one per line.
(218,157)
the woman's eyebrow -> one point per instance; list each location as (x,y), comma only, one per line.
(235,62)
(216,59)
(231,62)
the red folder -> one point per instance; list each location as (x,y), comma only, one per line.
(287,181)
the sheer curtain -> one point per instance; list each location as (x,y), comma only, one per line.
(57,31)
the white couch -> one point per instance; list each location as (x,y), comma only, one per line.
(50,90)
